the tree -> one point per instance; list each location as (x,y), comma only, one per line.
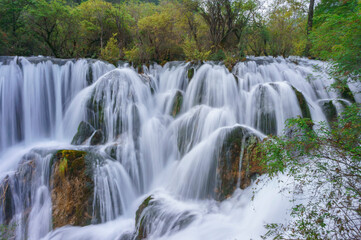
(309,25)
(287,28)
(111,52)
(336,36)
(53,23)
(12,27)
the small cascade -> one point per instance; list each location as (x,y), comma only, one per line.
(26,201)
(168,153)
(35,93)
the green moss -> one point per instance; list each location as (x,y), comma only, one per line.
(178,101)
(142,206)
(63,167)
(305,110)
(190,74)
(72,188)
(139,223)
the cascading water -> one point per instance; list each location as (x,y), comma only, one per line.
(158,155)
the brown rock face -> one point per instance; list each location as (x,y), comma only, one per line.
(251,166)
(239,147)
(72,189)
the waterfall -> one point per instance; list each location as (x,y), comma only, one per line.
(157,155)
(35,93)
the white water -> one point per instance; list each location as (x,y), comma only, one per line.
(171,158)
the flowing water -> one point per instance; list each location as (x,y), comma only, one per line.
(162,131)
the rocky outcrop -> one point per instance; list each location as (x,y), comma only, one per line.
(329,110)
(177,103)
(7,202)
(72,188)
(237,161)
(139,218)
(157,215)
(303,104)
(16,189)
(190,74)
(87,132)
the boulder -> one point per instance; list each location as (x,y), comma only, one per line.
(329,110)
(303,104)
(177,103)
(157,217)
(190,74)
(237,161)
(97,138)
(85,131)
(72,188)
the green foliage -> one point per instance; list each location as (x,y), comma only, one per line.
(111,51)
(52,23)
(287,28)
(7,231)
(336,35)
(219,55)
(192,53)
(182,30)
(327,162)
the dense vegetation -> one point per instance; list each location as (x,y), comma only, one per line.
(143,31)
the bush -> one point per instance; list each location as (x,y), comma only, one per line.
(111,52)
(218,56)
(191,51)
(327,164)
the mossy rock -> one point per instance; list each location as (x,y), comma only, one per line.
(177,103)
(72,188)
(346,93)
(112,151)
(97,138)
(190,74)
(85,131)
(153,216)
(305,110)
(140,228)
(329,110)
(239,147)
(89,75)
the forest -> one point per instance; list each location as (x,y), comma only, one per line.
(167,30)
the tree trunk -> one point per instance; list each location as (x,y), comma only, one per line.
(309,26)
(310,16)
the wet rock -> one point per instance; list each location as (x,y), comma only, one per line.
(190,74)
(303,104)
(139,219)
(346,93)
(135,123)
(85,131)
(97,138)
(72,188)
(177,103)
(112,151)
(158,215)
(239,147)
(89,75)
(7,206)
(16,190)
(329,110)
